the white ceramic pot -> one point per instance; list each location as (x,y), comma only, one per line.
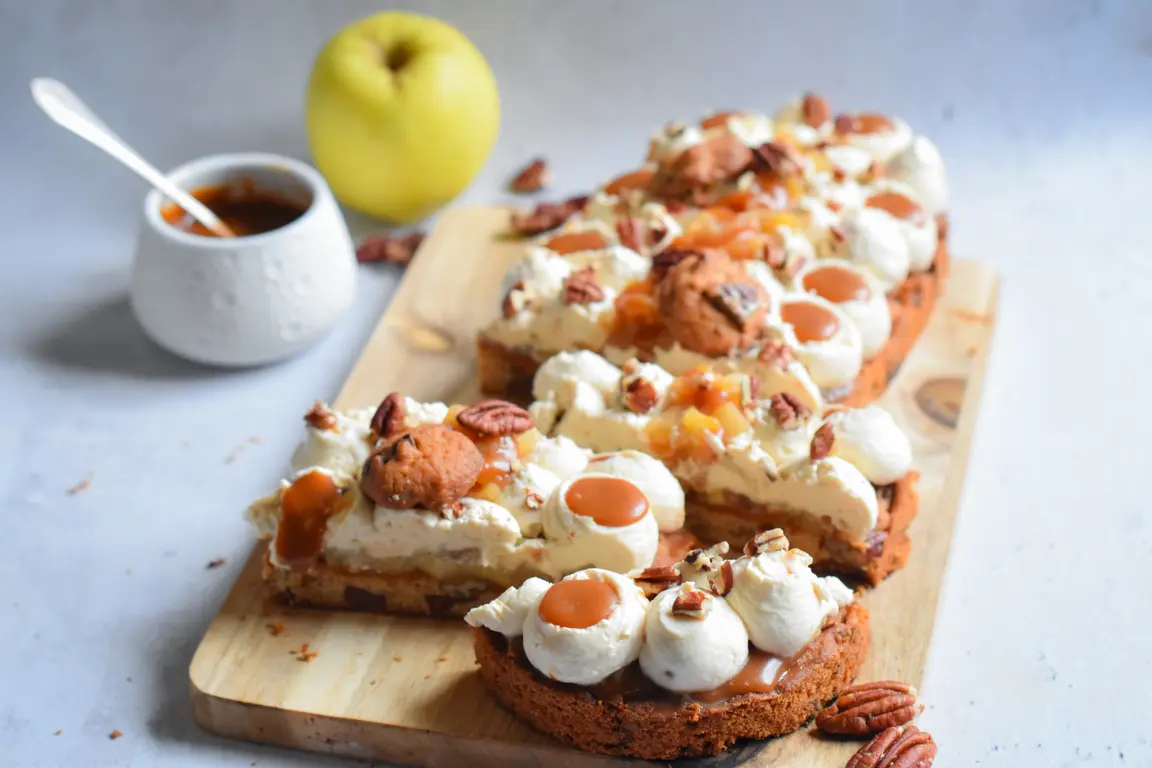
(245,300)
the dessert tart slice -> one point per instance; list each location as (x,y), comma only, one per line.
(421,508)
(674,662)
(738,234)
(751,453)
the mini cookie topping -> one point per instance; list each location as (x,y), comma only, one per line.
(711,305)
(431,467)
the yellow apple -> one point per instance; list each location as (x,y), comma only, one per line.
(402,111)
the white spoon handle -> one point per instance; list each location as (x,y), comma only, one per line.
(66,109)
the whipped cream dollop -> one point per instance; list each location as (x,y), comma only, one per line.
(341,448)
(920,166)
(692,653)
(664,493)
(883,145)
(582,541)
(833,362)
(556,378)
(919,230)
(874,239)
(783,604)
(585,656)
(870,440)
(871,313)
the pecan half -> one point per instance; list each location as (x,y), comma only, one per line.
(720,580)
(844,124)
(772,540)
(822,441)
(691,603)
(532,178)
(640,395)
(656,579)
(546,216)
(902,747)
(787,409)
(631,233)
(387,248)
(738,302)
(815,110)
(495,417)
(320,417)
(776,354)
(389,417)
(870,708)
(581,287)
(776,158)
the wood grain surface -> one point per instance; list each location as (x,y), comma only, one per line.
(405,690)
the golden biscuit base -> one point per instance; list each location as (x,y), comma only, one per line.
(671,727)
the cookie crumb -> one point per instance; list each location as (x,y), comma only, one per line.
(532,178)
(397,657)
(252,440)
(215,563)
(58,732)
(115,735)
(81,486)
(304,654)
(427,677)
(276,628)
(441,658)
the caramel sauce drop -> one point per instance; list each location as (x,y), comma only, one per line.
(610,501)
(810,321)
(305,507)
(900,206)
(837,284)
(578,603)
(750,679)
(501,454)
(572,242)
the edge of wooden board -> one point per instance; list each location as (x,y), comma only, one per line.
(434,335)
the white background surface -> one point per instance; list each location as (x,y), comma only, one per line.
(1043,110)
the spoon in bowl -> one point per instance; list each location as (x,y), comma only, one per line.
(66,109)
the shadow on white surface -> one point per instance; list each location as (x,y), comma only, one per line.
(105,338)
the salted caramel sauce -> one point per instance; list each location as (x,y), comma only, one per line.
(810,321)
(305,507)
(578,603)
(572,242)
(837,284)
(870,122)
(501,455)
(610,501)
(759,675)
(900,206)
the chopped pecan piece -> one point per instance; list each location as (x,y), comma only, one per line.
(736,301)
(394,250)
(581,287)
(495,417)
(691,603)
(787,409)
(904,746)
(656,579)
(870,708)
(721,579)
(532,178)
(772,540)
(389,417)
(815,110)
(822,441)
(844,124)
(707,559)
(513,300)
(546,216)
(694,170)
(776,354)
(776,158)
(631,233)
(669,258)
(640,395)
(533,500)
(321,417)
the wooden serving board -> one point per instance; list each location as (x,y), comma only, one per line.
(405,690)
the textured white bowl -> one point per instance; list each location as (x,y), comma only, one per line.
(245,300)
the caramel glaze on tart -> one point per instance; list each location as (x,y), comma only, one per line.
(628,715)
